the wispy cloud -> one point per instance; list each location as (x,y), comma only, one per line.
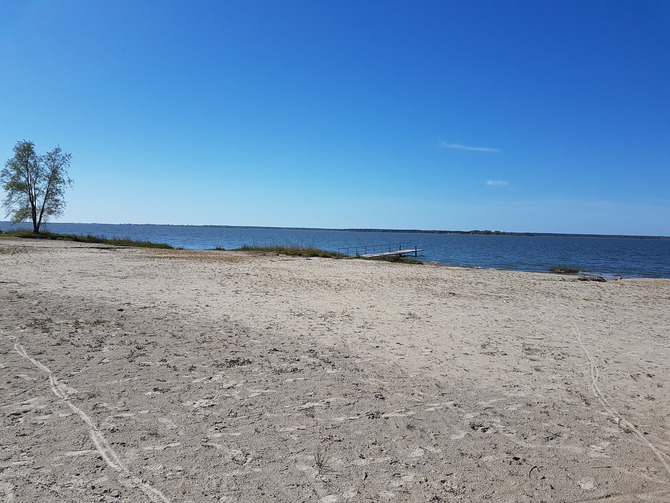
(458,146)
(496,183)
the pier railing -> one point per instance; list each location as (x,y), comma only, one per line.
(357,251)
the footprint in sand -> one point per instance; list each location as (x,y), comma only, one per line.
(416,453)
(6,492)
(167,422)
(587,484)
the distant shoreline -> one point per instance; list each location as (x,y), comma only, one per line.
(475,232)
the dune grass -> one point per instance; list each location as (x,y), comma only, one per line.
(309,251)
(87,239)
(293,250)
(396,259)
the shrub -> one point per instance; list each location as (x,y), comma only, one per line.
(298,251)
(565,270)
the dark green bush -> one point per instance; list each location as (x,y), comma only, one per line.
(87,239)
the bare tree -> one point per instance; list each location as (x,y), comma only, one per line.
(35,184)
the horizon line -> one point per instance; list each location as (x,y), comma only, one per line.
(375,229)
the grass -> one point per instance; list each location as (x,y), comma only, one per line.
(397,259)
(321,461)
(309,251)
(297,251)
(86,239)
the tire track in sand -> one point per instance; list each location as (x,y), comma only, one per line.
(621,421)
(101,444)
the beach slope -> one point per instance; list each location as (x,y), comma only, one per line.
(182,376)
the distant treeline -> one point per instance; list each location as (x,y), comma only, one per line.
(415,231)
(504,233)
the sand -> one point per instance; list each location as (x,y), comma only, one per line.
(178,376)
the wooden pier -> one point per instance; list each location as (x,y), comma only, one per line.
(372,251)
(395,253)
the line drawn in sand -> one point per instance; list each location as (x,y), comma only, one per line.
(101,444)
(620,420)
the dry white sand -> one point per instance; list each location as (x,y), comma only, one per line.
(154,376)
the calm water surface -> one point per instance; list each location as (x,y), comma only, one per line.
(625,257)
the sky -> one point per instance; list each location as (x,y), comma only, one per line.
(520,116)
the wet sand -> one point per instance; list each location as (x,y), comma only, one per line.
(180,376)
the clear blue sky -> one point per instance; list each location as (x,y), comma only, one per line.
(505,115)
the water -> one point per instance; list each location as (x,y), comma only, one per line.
(607,256)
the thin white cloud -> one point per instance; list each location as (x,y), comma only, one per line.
(458,146)
(496,183)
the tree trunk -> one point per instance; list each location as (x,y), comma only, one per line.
(36,223)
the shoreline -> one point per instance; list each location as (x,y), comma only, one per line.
(588,273)
(611,257)
(220,376)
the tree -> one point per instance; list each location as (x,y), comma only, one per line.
(35,184)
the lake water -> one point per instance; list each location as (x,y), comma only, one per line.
(607,256)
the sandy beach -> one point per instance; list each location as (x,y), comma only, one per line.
(136,375)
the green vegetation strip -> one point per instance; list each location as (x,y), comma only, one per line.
(309,251)
(87,239)
(298,251)
(393,258)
